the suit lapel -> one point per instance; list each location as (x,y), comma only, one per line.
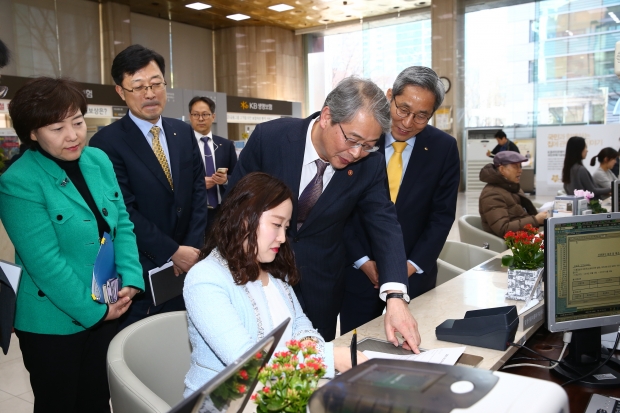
(137,142)
(219,152)
(173,152)
(417,163)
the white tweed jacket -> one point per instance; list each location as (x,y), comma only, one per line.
(226,319)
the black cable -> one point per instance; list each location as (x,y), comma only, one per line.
(611,352)
(535,352)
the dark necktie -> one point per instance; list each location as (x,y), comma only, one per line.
(209,171)
(311,193)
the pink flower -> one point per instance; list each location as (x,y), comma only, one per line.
(586,194)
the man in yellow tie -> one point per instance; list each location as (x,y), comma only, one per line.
(160,172)
(423,169)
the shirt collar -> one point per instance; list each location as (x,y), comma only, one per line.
(389,140)
(199,136)
(310,153)
(145,126)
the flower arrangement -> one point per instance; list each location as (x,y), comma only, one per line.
(527,249)
(594,204)
(288,380)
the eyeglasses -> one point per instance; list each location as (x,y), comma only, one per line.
(355,144)
(418,118)
(155,87)
(200,115)
(3,91)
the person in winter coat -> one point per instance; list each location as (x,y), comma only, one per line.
(503,206)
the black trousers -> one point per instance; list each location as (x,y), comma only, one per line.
(68,372)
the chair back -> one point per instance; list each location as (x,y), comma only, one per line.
(446,272)
(465,256)
(147,364)
(471,232)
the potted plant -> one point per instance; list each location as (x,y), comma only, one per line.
(526,263)
(290,379)
(594,204)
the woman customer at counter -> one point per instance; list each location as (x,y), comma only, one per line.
(55,204)
(603,176)
(574,174)
(242,289)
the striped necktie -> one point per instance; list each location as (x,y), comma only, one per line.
(311,193)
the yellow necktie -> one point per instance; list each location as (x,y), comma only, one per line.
(161,156)
(395,169)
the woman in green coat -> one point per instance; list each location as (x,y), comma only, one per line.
(56,202)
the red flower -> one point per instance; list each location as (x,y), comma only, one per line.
(243,374)
(253,397)
(259,355)
(241,388)
(266,390)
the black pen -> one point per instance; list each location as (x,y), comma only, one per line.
(354,348)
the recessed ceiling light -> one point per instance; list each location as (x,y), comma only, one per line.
(281,7)
(237,17)
(198,6)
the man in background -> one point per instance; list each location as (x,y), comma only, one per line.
(218,154)
(160,171)
(503,144)
(423,171)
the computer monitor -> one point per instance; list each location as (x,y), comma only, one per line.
(582,288)
(229,391)
(615,196)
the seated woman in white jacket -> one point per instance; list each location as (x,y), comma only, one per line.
(242,289)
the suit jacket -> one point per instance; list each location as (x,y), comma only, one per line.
(56,240)
(7,311)
(277,147)
(163,218)
(426,205)
(225,157)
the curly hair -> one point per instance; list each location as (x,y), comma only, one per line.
(234,232)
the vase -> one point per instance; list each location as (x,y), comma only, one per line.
(521,282)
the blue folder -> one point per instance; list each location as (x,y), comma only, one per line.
(106,281)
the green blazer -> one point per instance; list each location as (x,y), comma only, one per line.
(56,240)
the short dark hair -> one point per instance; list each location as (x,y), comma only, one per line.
(574,149)
(5,54)
(237,222)
(43,101)
(204,99)
(132,59)
(500,134)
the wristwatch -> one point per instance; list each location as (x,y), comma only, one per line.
(402,296)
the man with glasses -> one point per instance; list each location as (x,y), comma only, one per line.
(160,171)
(217,153)
(423,171)
(327,161)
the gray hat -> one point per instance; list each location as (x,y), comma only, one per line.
(508,157)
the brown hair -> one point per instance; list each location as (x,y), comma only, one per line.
(237,222)
(43,101)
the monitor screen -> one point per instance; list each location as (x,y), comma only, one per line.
(230,390)
(615,196)
(583,271)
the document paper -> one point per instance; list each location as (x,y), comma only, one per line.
(447,356)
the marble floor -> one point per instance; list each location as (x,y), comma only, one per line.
(16,395)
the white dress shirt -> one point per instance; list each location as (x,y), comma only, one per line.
(212,148)
(308,171)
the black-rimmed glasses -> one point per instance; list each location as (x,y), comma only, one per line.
(155,87)
(355,144)
(419,118)
(200,115)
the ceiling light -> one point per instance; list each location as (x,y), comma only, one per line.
(237,17)
(281,7)
(198,6)
(614,17)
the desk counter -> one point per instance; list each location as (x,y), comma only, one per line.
(472,290)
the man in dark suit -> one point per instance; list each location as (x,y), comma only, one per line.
(423,171)
(217,153)
(160,172)
(327,162)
